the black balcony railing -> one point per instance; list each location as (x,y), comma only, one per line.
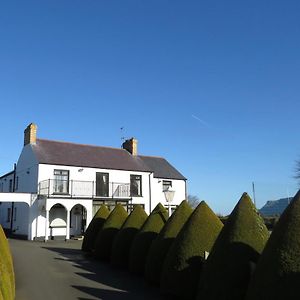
(83,189)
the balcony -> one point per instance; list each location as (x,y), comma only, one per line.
(83,189)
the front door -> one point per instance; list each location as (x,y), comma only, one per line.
(102,186)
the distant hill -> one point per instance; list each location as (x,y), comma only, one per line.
(275,207)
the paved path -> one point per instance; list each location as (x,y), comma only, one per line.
(59,271)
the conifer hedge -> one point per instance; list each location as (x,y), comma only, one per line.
(184,261)
(142,241)
(161,245)
(7,276)
(122,243)
(88,243)
(108,232)
(228,268)
(277,275)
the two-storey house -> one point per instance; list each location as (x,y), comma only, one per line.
(56,187)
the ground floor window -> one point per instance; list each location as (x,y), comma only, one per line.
(8,215)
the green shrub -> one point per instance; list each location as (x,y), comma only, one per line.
(277,275)
(183,264)
(161,245)
(142,241)
(124,238)
(7,276)
(228,268)
(108,232)
(88,243)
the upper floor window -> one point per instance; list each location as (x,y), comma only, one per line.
(167,184)
(61,182)
(136,185)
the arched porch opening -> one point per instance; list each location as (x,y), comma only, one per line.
(58,221)
(78,216)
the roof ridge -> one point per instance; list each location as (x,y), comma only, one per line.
(79,144)
(152,156)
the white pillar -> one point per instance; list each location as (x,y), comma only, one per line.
(68,225)
(47,226)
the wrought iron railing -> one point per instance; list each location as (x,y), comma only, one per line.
(83,189)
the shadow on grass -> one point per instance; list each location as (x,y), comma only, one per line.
(120,283)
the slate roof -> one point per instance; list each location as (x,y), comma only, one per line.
(72,154)
(161,167)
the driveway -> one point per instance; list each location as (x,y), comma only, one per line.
(58,270)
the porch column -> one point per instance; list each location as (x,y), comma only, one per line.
(68,225)
(47,226)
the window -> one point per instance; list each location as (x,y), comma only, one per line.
(61,182)
(15,214)
(167,184)
(8,214)
(10,185)
(136,185)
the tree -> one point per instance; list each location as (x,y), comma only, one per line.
(228,269)
(185,259)
(193,201)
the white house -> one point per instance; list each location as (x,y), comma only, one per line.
(56,187)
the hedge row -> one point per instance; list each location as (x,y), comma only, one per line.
(7,276)
(243,262)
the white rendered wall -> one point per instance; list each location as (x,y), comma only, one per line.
(89,174)
(27,171)
(158,195)
(38,214)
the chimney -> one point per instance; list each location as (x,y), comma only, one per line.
(30,134)
(131,146)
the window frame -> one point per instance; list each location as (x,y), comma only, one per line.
(61,180)
(133,178)
(166,183)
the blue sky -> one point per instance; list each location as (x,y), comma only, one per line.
(213,86)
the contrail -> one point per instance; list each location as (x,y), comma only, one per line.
(201,121)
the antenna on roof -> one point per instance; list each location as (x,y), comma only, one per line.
(122,134)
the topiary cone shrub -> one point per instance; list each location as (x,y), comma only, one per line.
(108,232)
(124,238)
(7,276)
(184,261)
(88,243)
(142,241)
(228,268)
(161,245)
(277,275)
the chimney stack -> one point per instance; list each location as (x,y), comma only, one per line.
(30,134)
(131,146)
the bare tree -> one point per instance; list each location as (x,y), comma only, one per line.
(193,200)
